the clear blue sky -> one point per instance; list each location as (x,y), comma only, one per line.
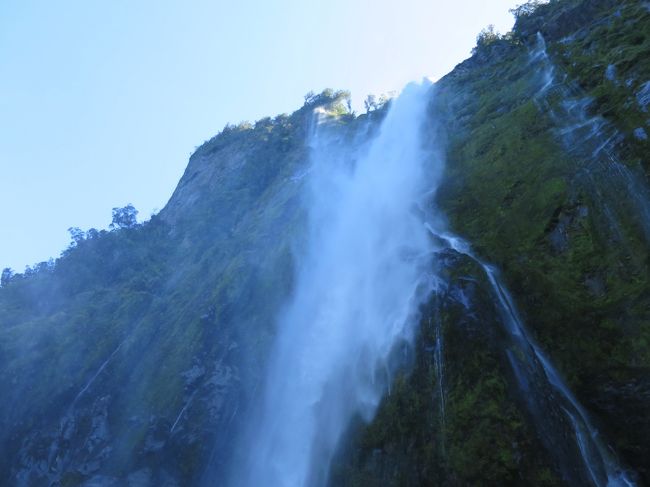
(102,102)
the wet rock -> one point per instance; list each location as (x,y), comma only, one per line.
(102,481)
(559,239)
(140,478)
(77,444)
(596,285)
(89,467)
(166,480)
(561,224)
(156,436)
(610,73)
(219,385)
(460,295)
(623,399)
(193,374)
(643,96)
(99,433)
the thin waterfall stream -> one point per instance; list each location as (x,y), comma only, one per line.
(592,141)
(530,365)
(439,362)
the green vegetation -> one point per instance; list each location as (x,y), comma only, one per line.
(512,189)
(182,303)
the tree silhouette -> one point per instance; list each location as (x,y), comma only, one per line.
(124,217)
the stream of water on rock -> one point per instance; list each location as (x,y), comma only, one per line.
(546,392)
(591,141)
(366,271)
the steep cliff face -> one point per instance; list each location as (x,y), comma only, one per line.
(547,176)
(133,360)
(124,361)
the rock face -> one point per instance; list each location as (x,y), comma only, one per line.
(123,364)
(546,177)
(133,360)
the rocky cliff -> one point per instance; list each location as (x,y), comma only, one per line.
(132,360)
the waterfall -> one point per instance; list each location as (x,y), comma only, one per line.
(365,269)
(97,373)
(360,282)
(592,141)
(536,374)
(439,362)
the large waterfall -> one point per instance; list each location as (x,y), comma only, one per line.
(365,271)
(366,268)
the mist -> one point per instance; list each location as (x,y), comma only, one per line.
(360,282)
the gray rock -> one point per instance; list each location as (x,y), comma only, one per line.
(156,436)
(166,480)
(558,236)
(643,96)
(101,481)
(89,467)
(559,239)
(596,286)
(140,478)
(193,374)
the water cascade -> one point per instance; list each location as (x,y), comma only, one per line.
(592,141)
(365,272)
(546,392)
(98,372)
(439,362)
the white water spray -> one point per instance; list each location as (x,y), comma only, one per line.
(359,286)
